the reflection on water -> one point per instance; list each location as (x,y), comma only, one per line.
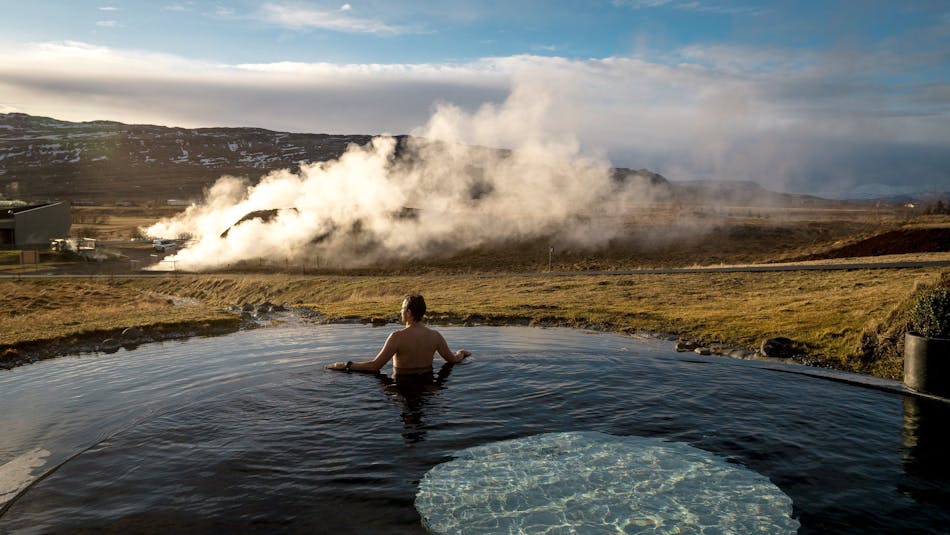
(926,437)
(248,432)
(411,392)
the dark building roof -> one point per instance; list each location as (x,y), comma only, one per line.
(7,213)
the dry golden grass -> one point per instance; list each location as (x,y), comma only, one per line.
(827,310)
(34,310)
(116,222)
(9,258)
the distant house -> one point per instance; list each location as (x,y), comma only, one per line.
(34,225)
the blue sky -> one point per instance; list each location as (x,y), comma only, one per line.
(801,96)
(453,31)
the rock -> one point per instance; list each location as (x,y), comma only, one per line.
(248,307)
(132,334)
(109,345)
(743,354)
(266,308)
(132,337)
(9,358)
(780,348)
(683,346)
(307,313)
(703,351)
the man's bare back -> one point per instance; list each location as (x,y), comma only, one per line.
(412,348)
(415,347)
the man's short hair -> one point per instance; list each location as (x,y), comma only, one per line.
(415,304)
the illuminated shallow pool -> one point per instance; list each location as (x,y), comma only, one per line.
(249,432)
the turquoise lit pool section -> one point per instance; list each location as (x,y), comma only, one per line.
(590,482)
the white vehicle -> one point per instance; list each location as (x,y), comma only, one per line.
(164,246)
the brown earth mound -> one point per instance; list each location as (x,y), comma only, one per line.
(905,241)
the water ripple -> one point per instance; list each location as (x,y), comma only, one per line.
(249,432)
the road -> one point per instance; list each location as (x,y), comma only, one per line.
(760,268)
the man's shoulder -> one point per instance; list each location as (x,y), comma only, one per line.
(429,329)
(416,330)
(396,335)
(436,335)
(424,331)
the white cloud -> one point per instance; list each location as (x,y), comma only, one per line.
(691,5)
(178,7)
(775,116)
(107,23)
(345,7)
(137,86)
(108,8)
(300,18)
(640,4)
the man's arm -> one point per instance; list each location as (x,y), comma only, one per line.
(384,355)
(446,353)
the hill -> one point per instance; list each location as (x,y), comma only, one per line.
(101,162)
(105,161)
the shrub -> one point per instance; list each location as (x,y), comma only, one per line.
(939,207)
(930,315)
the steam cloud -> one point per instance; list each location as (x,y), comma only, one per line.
(441,193)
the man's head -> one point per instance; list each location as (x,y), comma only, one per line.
(416,305)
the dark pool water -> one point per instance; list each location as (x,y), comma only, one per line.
(249,433)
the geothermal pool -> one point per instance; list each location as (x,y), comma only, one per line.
(542,428)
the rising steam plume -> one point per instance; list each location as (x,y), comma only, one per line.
(432,194)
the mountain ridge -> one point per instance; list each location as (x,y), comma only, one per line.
(105,161)
(108,160)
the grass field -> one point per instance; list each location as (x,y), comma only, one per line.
(34,310)
(830,312)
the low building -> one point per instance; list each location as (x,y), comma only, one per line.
(34,225)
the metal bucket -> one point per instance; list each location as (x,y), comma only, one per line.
(927,365)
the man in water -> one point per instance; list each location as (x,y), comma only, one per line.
(411,348)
